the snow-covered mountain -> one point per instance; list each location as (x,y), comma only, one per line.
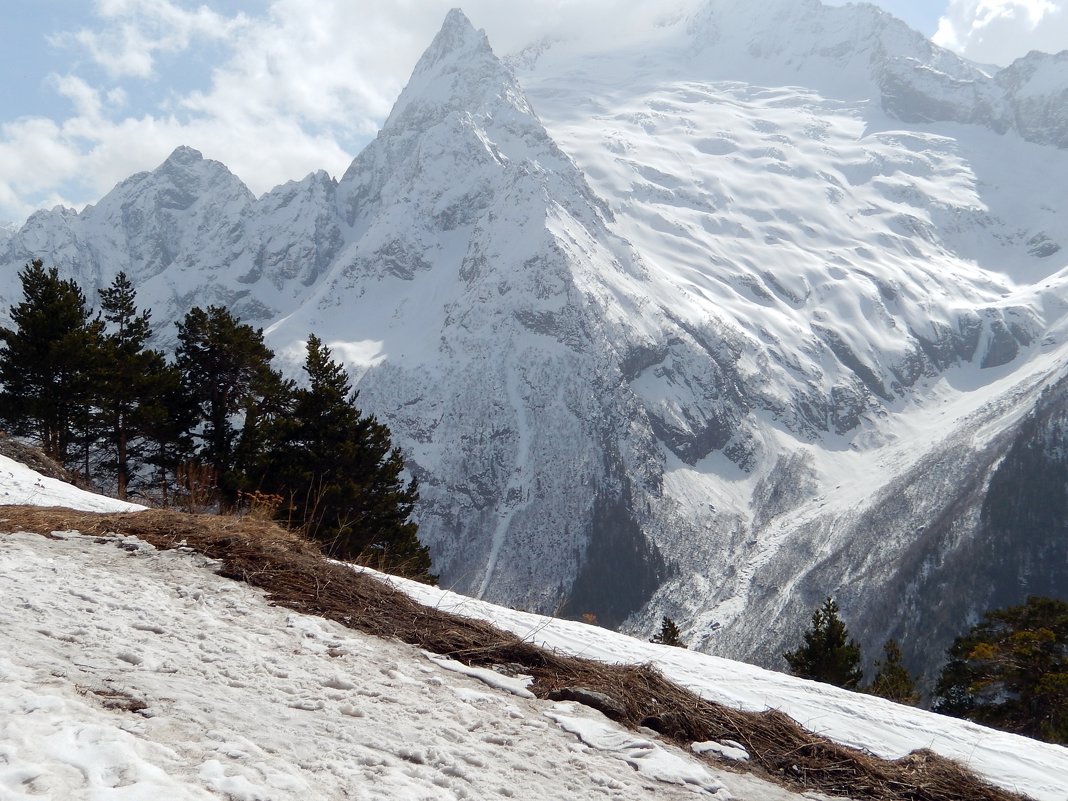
(771,309)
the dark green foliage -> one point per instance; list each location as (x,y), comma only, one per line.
(828,654)
(48,364)
(892,679)
(338,474)
(130,387)
(669,634)
(226,371)
(1021,544)
(1010,671)
(165,424)
(621,568)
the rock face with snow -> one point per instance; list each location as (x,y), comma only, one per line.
(190,233)
(1037,88)
(771,312)
(865,52)
(476,261)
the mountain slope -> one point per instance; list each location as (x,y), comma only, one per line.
(713,330)
(470,234)
(871,288)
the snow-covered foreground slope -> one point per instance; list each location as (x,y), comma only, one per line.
(127,672)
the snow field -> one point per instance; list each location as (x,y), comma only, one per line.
(20,485)
(132,673)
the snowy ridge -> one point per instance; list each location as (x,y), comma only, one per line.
(689,332)
(190,233)
(1037,88)
(861,52)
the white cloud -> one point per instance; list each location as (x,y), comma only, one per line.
(35,159)
(136,30)
(999,31)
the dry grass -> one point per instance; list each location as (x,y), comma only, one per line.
(294,574)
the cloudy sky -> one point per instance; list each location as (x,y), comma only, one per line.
(95,90)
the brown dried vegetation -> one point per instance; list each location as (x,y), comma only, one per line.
(293,574)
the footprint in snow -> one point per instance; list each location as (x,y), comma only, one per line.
(307,704)
(130,657)
(150,627)
(339,683)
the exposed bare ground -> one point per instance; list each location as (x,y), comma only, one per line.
(294,574)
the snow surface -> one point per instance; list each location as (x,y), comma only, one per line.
(20,485)
(247,701)
(131,673)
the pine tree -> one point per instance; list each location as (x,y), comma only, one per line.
(226,370)
(129,391)
(339,474)
(48,365)
(669,634)
(1010,671)
(892,679)
(166,423)
(828,653)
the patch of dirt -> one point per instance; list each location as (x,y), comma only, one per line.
(115,699)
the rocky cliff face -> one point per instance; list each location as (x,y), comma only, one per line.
(190,233)
(703,332)
(1037,91)
(474,262)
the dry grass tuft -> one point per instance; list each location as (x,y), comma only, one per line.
(294,574)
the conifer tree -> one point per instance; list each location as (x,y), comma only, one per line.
(892,679)
(339,474)
(47,365)
(166,424)
(669,634)
(128,386)
(1010,671)
(226,371)
(828,653)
